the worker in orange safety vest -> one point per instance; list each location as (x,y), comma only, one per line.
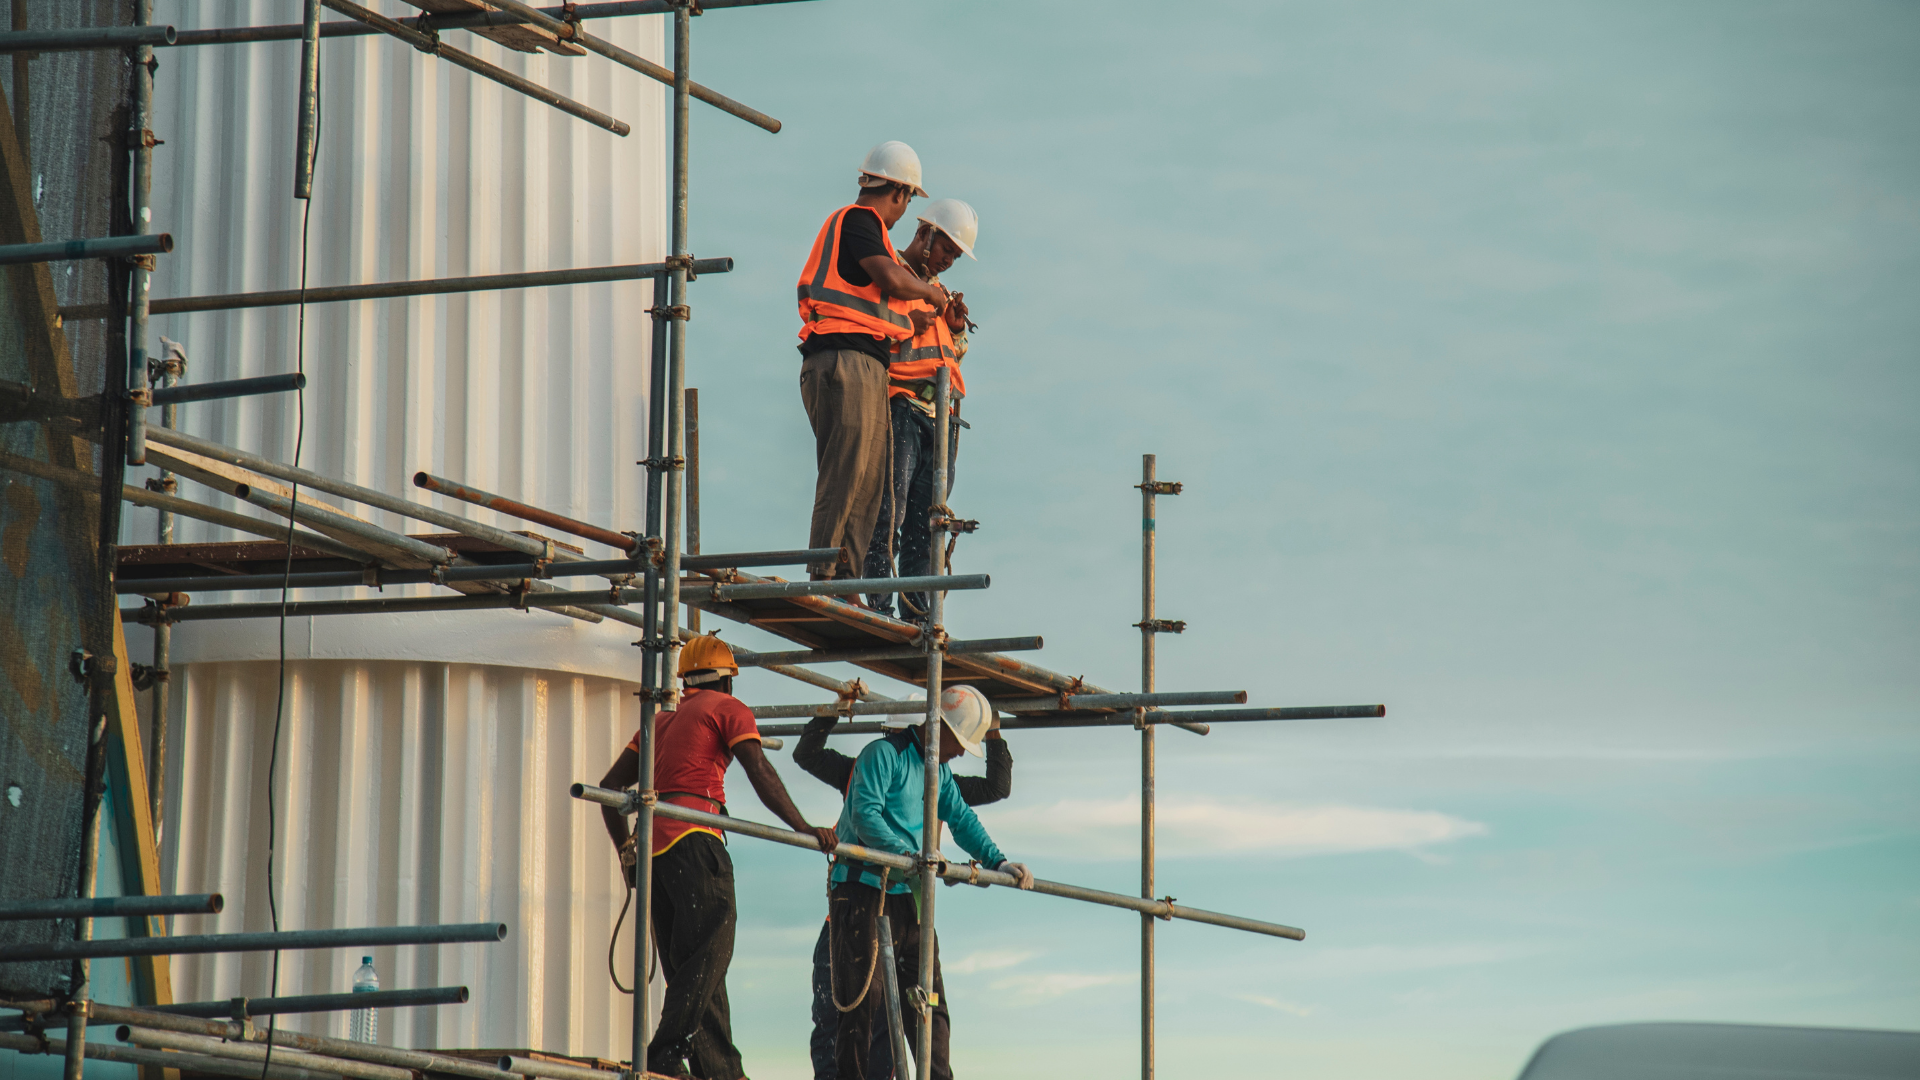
(947,230)
(856,305)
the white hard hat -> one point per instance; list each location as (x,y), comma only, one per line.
(965,711)
(893,161)
(969,716)
(957,220)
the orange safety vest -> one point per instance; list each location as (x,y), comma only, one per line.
(921,358)
(829,304)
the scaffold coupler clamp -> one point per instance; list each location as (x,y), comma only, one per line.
(659,695)
(1167,916)
(921,1001)
(519,593)
(682,262)
(640,797)
(1078,685)
(141,398)
(973,875)
(543,562)
(423,25)
(1161,487)
(1139,717)
(370,576)
(165,485)
(845,699)
(1162,626)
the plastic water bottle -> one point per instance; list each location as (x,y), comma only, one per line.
(366,1022)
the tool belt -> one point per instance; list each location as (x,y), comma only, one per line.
(718,806)
(924,389)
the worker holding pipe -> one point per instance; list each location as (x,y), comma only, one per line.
(835,770)
(884,810)
(856,303)
(947,230)
(693,906)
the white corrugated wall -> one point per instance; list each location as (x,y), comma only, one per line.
(423,760)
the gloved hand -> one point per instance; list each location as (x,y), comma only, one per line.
(1018,870)
(629,858)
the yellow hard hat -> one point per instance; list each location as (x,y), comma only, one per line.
(706,658)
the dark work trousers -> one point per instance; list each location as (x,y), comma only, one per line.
(693,917)
(853,907)
(901,533)
(845,394)
(826,1021)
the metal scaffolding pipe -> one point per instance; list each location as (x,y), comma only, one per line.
(174,504)
(572,33)
(552,1070)
(454,489)
(1069,702)
(102,907)
(886,652)
(231,388)
(857,708)
(240,1008)
(691,588)
(336,579)
(238,35)
(29,1044)
(955,872)
(417,1060)
(154,1039)
(431,43)
(388,290)
(452,933)
(85,39)
(101,247)
(328,520)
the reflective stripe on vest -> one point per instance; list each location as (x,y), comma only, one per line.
(829,304)
(920,359)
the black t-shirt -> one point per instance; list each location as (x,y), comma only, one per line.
(861,236)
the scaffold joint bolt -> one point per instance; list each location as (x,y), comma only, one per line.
(1162,626)
(1161,487)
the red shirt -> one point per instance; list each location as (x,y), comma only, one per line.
(692,747)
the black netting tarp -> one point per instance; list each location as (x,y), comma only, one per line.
(63,141)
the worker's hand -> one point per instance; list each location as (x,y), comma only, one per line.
(956,312)
(629,858)
(1018,870)
(921,320)
(826,838)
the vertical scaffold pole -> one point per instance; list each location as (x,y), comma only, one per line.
(307,133)
(141,137)
(669,466)
(652,681)
(1147,507)
(930,826)
(162,646)
(693,491)
(79,991)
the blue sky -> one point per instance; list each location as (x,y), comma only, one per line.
(1545,371)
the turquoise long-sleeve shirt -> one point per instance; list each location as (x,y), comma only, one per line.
(886,809)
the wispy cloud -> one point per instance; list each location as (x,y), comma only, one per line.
(1059,983)
(1104,829)
(1276,1004)
(987,960)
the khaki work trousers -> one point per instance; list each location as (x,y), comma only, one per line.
(845,393)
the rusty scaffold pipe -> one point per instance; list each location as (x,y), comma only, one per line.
(433,46)
(946,871)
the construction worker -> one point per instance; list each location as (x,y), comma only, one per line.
(884,810)
(693,909)
(855,304)
(947,229)
(835,770)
